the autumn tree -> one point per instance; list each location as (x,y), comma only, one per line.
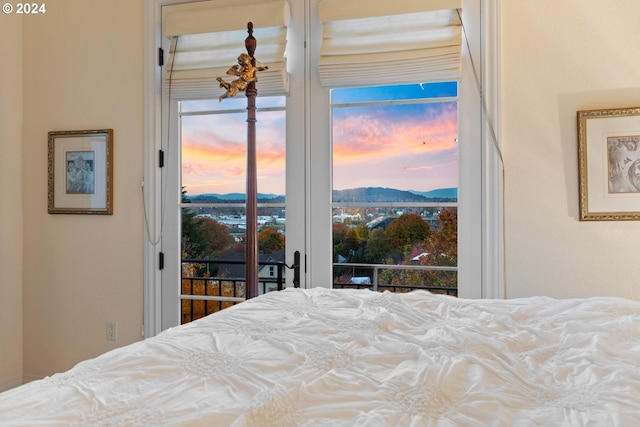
(378,246)
(406,230)
(339,232)
(351,242)
(216,236)
(363,231)
(442,244)
(192,241)
(269,240)
(202,237)
(442,250)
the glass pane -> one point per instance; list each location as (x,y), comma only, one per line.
(213,176)
(404,147)
(236,103)
(214,155)
(398,92)
(395,181)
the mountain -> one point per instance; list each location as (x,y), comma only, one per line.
(441,193)
(353,195)
(232,198)
(381,194)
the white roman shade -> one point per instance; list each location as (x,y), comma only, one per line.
(380,42)
(207,39)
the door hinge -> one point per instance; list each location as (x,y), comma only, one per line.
(160,260)
(160,57)
(160,158)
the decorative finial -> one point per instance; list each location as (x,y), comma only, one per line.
(250,42)
(245,69)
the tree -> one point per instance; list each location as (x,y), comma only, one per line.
(406,230)
(363,231)
(351,242)
(339,234)
(192,241)
(378,246)
(216,236)
(442,244)
(269,240)
(202,237)
(442,248)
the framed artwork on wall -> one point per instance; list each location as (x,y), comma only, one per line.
(81,172)
(609,164)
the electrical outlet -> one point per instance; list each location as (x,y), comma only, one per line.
(112,331)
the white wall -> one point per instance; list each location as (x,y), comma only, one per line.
(82,69)
(561,56)
(10,201)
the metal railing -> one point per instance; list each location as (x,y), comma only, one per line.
(203,292)
(354,276)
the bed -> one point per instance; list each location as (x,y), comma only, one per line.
(325,357)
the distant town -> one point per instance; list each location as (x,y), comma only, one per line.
(274,216)
(382,239)
(362,194)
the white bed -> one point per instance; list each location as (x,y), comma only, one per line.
(359,358)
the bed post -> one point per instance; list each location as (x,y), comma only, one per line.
(245,70)
(251,236)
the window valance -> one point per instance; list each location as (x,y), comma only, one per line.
(206,39)
(379,42)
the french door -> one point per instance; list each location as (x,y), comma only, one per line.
(205,211)
(308,186)
(208,137)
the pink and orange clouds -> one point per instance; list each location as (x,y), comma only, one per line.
(408,147)
(404,147)
(214,153)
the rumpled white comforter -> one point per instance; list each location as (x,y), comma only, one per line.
(358,358)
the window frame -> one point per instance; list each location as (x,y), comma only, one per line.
(480,214)
(385,102)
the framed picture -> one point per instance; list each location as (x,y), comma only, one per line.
(81,172)
(609,164)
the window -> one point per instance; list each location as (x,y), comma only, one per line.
(308,150)
(213,182)
(395,185)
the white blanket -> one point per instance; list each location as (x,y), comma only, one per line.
(358,358)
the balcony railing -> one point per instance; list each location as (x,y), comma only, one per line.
(203,292)
(436,279)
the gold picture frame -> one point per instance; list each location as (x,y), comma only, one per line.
(609,164)
(80,174)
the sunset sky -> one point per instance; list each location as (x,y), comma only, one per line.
(214,153)
(407,146)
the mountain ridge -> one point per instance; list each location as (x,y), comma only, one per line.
(360,194)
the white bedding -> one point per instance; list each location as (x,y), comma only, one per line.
(358,358)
